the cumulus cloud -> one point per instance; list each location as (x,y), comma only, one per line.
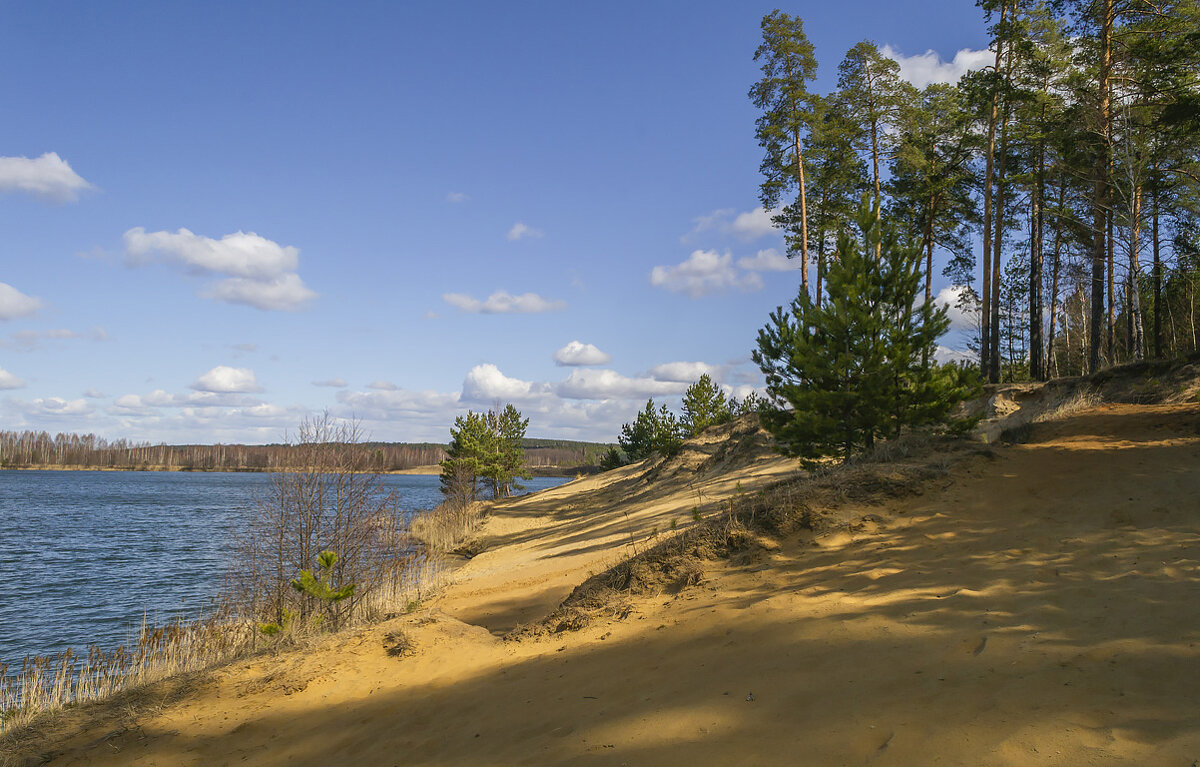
(684,372)
(950,297)
(769,260)
(502,302)
(485,383)
(520,231)
(56,406)
(925,68)
(456,197)
(945,354)
(747,225)
(14,303)
(381,385)
(336,383)
(226,380)
(579,353)
(383,405)
(609,384)
(48,177)
(94,394)
(196,401)
(259,272)
(284,293)
(703,273)
(9,381)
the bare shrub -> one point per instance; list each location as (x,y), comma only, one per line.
(331,502)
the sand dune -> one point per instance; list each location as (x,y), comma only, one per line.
(1034,606)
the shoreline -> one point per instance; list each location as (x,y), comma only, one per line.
(426,470)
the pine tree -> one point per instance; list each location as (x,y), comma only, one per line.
(859,366)
(704,405)
(506,463)
(788,64)
(653,431)
(466,457)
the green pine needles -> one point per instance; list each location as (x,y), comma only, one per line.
(859,365)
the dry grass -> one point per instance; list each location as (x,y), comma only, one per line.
(448,526)
(46,684)
(51,683)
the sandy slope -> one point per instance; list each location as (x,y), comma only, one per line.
(1035,608)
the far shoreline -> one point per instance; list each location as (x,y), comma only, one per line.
(425,470)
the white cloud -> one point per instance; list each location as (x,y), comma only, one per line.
(226,380)
(284,293)
(502,302)
(9,381)
(520,231)
(754,224)
(925,68)
(456,197)
(485,383)
(703,273)
(260,273)
(336,383)
(579,353)
(94,394)
(14,303)
(49,177)
(386,405)
(381,385)
(960,319)
(609,384)
(241,254)
(944,354)
(748,225)
(684,372)
(56,406)
(194,402)
(769,260)
(248,347)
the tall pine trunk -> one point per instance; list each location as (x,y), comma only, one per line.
(1158,353)
(985,351)
(1100,190)
(1052,360)
(1137,337)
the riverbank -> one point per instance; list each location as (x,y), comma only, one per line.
(1006,605)
(425,470)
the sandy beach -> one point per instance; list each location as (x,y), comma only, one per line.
(1032,605)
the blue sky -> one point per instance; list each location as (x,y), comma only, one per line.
(222,217)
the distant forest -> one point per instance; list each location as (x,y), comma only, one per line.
(39,449)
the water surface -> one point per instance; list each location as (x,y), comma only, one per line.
(84,555)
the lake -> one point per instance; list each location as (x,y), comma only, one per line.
(84,555)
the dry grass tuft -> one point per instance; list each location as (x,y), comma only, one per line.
(448,526)
(399,644)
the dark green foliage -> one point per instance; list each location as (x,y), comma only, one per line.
(861,365)
(704,405)
(485,447)
(653,431)
(506,463)
(612,460)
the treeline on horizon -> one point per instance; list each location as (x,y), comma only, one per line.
(1062,182)
(40,449)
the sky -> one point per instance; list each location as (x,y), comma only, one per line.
(222,218)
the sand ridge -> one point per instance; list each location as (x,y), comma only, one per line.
(1034,607)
